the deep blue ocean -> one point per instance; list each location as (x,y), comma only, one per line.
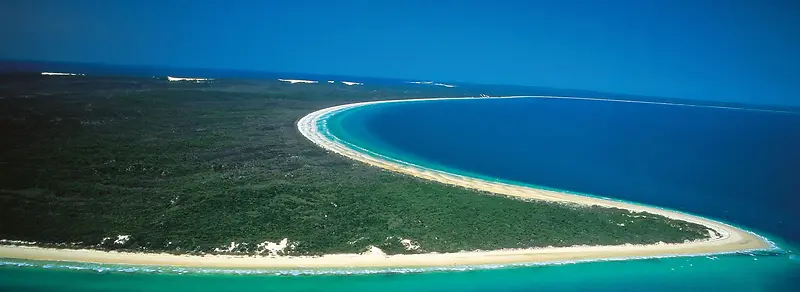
(738,166)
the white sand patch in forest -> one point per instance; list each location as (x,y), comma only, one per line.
(293,81)
(189,79)
(409,244)
(272,248)
(373,251)
(61,74)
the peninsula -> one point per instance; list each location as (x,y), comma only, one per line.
(239,174)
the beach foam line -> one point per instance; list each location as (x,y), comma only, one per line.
(103,268)
(728,239)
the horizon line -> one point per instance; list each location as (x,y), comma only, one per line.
(596,94)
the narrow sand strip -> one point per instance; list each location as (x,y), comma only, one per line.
(728,238)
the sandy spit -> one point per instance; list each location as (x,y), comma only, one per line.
(727,239)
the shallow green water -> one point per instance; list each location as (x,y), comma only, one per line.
(738,272)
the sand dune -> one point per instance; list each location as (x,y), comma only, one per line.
(61,74)
(192,79)
(293,81)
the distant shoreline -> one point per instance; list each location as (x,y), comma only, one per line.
(727,239)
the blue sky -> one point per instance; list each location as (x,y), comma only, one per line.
(744,51)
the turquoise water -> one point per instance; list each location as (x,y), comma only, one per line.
(725,273)
(368,127)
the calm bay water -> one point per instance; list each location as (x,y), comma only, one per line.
(739,166)
(736,166)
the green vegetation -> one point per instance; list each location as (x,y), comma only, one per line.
(193,167)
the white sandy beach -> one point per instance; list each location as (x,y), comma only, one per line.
(728,238)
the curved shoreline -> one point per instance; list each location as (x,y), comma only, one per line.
(728,239)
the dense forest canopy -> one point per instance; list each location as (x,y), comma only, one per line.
(148,165)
